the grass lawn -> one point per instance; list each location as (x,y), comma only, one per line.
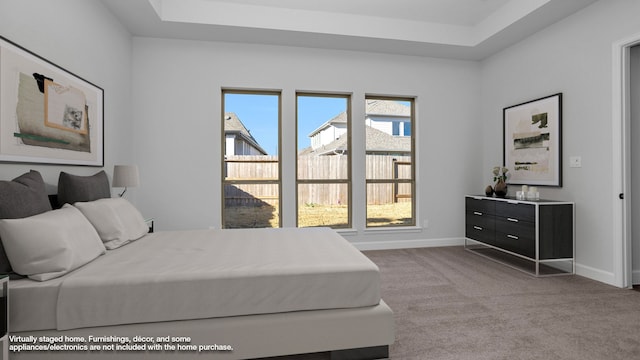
(397,214)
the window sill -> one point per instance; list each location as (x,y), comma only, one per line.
(394,229)
(350,231)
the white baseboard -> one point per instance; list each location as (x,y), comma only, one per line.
(596,274)
(407,244)
(635,277)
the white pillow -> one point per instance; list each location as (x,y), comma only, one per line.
(116,220)
(49,245)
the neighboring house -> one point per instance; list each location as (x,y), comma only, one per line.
(390,117)
(239,140)
(388,131)
(329,131)
(378,143)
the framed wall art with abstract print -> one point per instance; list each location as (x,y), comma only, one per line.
(47,114)
(533,141)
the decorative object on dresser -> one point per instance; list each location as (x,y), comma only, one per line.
(500,175)
(488,190)
(528,193)
(532,144)
(48,114)
(537,237)
(125,176)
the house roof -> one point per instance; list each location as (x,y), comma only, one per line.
(373,108)
(233,125)
(380,141)
(338,119)
(387,108)
(377,141)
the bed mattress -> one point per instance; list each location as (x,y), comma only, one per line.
(181,275)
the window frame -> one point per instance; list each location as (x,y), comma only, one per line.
(349,180)
(223,162)
(395,182)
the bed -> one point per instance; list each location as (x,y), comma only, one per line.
(223,294)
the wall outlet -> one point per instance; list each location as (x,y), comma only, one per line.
(425,223)
(575,161)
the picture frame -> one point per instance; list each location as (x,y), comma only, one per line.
(532,142)
(48,115)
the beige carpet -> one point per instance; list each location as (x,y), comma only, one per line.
(452,304)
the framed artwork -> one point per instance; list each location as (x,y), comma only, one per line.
(532,146)
(48,115)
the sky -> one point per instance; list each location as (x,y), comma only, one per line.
(259,114)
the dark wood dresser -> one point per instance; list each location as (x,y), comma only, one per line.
(534,236)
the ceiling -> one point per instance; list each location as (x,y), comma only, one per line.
(458,29)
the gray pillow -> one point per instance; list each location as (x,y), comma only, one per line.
(76,188)
(21,197)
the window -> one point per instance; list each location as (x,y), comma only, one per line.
(407,128)
(401,128)
(323,165)
(396,128)
(251,165)
(390,170)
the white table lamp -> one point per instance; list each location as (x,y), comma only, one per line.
(125,176)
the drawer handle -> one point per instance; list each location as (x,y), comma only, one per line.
(477,213)
(513,237)
(477,228)
(512,219)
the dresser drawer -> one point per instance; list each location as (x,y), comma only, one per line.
(479,233)
(482,206)
(519,237)
(479,217)
(518,211)
(518,245)
(480,227)
(523,229)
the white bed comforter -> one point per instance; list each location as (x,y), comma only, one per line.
(182,275)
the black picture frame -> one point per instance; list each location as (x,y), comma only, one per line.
(48,115)
(532,142)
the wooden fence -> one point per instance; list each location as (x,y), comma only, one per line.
(265,167)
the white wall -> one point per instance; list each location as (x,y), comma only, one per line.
(177,102)
(82,37)
(574,57)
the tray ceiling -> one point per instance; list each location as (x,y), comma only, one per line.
(460,29)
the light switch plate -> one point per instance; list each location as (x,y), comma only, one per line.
(575,161)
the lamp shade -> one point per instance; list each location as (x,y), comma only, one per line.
(125,176)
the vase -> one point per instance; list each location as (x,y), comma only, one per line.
(488,191)
(500,188)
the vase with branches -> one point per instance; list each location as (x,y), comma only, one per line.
(500,175)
